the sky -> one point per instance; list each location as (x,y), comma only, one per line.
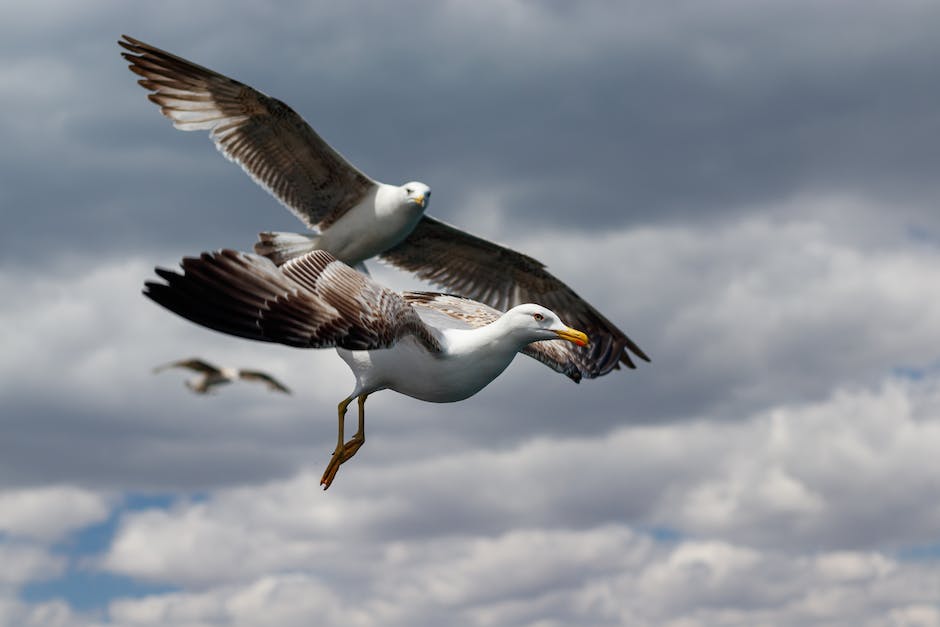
(748,189)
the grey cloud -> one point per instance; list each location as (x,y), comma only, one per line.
(752,327)
(746,179)
(625,580)
(51,512)
(751,547)
(684,114)
(785,480)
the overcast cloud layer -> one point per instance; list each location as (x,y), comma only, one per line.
(748,189)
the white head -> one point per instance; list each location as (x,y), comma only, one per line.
(533,323)
(417,193)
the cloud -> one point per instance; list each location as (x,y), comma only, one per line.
(50,512)
(89,405)
(749,191)
(787,476)
(589,111)
(621,579)
(737,316)
(46,614)
(24,562)
(792,516)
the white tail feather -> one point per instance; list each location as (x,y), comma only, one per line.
(281,247)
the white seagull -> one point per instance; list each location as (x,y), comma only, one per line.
(353,216)
(211,376)
(433,347)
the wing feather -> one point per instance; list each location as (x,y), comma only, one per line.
(193,363)
(314,302)
(263,377)
(503,278)
(270,141)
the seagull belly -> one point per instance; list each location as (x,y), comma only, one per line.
(408,368)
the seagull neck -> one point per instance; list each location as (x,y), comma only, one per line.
(496,337)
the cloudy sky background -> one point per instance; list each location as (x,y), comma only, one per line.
(748,188)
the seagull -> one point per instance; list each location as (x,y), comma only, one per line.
(429,346)
(353,216)
(213,376)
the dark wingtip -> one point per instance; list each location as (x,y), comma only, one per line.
(163,273)
(625,359)
(636,350)
(129,43)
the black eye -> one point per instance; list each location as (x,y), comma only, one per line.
(428,194)
(407,190)
(538,316)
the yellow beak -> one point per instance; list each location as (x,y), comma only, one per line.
(573,335)
(421,200)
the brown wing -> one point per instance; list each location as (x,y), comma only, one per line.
(263,377)
(271,142)
(376,315)
(317,302)
(193,363)
(555,354)
(504,278)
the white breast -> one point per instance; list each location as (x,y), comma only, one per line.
(409,369)
(381,221)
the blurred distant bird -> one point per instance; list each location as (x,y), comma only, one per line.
(211,376)
(433,347)
(355,217)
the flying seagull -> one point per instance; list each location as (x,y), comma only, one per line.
(430,346)
(213,376)
(353,216)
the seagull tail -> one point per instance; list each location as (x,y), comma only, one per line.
(281,247)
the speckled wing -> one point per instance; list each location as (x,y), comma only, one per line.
(503,278)
(470,314)
(312,302)
(271,142)
(193,363)
(376,316)
(263,377)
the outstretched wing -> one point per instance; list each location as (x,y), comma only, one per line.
(193,363)
(503,278)
(263,377)
(555,354)
(271,142)
(313,301)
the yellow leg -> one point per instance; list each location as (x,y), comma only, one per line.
(341,427)
(362,417)
(345,450)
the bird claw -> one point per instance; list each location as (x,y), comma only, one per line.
(340,456)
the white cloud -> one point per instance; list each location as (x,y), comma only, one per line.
(786,304)
(80,346)
(23,562)
(792,468)
(601,576)
(284,600)
(49,513)
(791,517)
(15,613)
(737,317)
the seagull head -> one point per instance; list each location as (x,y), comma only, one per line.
(536,323)
(418,193)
